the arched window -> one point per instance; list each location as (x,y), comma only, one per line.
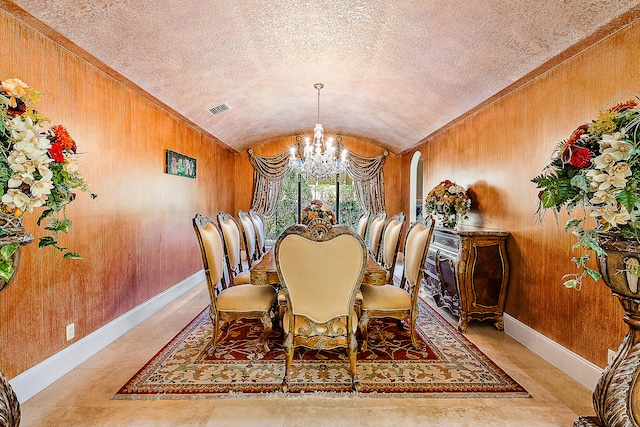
(297,192)
(416,196)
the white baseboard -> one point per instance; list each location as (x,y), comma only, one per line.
(577,367)
(45,373)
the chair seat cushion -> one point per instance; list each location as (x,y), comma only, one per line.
(306,328)
(243,278)
(386,297)
(246,298)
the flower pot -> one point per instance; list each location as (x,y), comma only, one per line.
(616,398)
(13,232)
(9,404)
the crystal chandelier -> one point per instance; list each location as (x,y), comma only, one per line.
(319,159)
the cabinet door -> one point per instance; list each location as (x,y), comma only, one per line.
(449,287)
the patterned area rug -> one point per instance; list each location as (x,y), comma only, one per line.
(449,366)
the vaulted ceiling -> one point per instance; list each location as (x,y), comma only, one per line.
(394,73)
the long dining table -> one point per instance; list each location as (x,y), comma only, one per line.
(265,273)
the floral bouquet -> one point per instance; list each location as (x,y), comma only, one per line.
(597,170)
(38,167)
(316,209)
(449,201)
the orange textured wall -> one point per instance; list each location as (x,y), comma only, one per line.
(136,238)
(496,152)
(392,170)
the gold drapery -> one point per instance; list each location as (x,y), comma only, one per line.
(269,171)
(267,181)
(367,174)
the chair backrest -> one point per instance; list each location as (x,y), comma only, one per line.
(375,233)
(416,246)
(212,251)
(258,224)
(232,243)
(249,237)
(321,266)
(361,228)
(391,241)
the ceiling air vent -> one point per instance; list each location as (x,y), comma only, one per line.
(218,109)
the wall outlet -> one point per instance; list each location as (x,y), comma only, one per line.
(610,355)
(71,331)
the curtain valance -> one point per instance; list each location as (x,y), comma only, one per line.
(367,174)
(268,173)
(267,181)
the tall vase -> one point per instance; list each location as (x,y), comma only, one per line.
(616,398)
(13,232)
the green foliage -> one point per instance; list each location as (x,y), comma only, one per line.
(286,213)
(6,261)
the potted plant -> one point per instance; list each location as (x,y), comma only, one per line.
(39,168)
(595,176)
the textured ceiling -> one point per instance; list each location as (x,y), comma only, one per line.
(394,72)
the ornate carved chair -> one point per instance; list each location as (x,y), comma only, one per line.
(258,225)
(390,243)
(233,249)
(320,268)
(375,234)
(400,302)
(235,302)
(249,238)
(363,222)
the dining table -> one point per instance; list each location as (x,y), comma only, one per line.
(265,273)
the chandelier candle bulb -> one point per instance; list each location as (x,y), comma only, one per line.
(319,159)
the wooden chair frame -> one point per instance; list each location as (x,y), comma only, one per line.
(217,286)
(390,243)
(320,231)
(426,224)
(375,234)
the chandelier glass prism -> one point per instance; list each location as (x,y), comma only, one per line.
(320,157)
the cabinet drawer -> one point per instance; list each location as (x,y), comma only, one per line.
(451,243)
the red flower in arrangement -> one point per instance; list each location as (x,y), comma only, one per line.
(19,108)
(56,152)
(623,106)
(578,157)
(61,136)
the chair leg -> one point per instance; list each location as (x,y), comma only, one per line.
(353,357)
(414,335)
(363,325)
(288,347)
(215,317)
(266,323)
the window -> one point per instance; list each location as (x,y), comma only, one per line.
(342,197)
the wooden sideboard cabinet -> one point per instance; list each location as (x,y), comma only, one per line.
(467,271)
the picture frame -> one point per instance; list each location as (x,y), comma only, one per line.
(180,165)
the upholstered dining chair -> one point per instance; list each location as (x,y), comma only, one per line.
(249,238)
(375,234)
(389,244)
(320,268)
(363,222)
(258,224)
(229,303)
(400,302)
(233,249)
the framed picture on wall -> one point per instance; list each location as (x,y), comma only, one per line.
(181,165)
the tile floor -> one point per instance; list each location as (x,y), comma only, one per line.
(82,397)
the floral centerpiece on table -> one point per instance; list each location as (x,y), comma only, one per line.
(317,209)
(598,171)
(39,168)
(448,201)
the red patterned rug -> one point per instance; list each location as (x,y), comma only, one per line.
(450,365)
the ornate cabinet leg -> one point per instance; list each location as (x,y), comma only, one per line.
(9,405)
